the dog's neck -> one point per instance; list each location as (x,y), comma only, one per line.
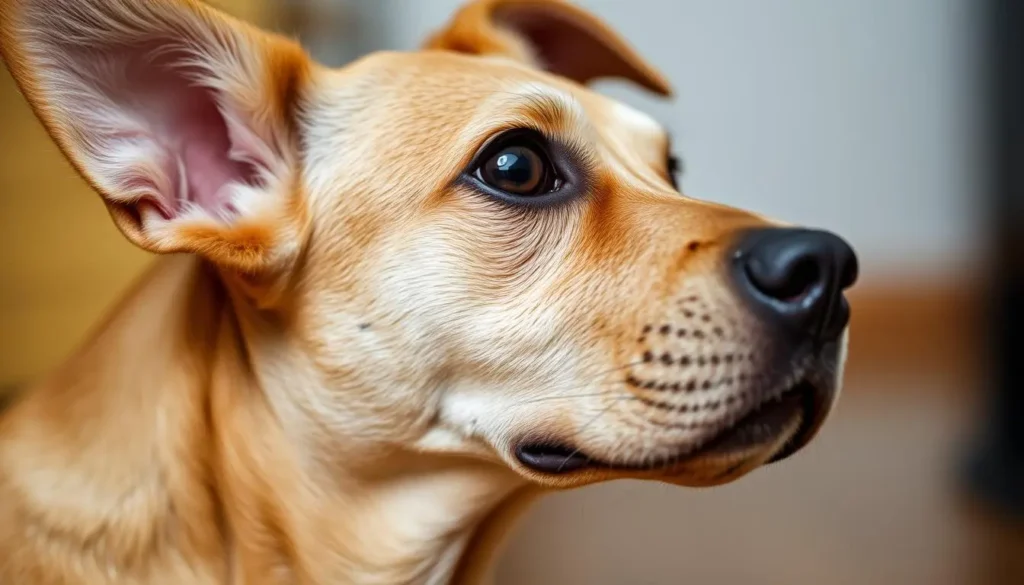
(156,451)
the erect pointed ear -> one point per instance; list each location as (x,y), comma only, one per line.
(180,117)
(550,34)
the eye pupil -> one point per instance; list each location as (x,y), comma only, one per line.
(517,169)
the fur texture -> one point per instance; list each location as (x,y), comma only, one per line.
(329,384)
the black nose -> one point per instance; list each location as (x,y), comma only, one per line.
(796,278)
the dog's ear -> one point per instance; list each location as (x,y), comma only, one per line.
(550,34)
(182,118)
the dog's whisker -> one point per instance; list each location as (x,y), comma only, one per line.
(566,396)
(599,376)
(625,366)
(601,413)
(563,397)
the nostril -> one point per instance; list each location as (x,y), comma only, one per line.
(788,280)
(796,277)
(797,280)
(804,275)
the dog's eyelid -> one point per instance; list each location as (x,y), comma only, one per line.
(673,162)
(501,137)
(568,171)
(669,147)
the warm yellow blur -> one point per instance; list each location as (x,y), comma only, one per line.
(63,261)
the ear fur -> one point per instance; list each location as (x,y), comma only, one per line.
(183,119)
(554,35)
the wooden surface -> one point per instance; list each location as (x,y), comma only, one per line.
(932,329)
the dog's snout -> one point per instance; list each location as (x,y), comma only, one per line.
(796,278)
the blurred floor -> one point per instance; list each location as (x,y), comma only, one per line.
(871,502)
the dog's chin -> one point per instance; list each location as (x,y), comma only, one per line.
(774,431)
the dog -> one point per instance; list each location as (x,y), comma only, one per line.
(393,303)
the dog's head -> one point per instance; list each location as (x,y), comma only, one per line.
(461,251)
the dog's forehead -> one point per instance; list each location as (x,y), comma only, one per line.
(600,109)
(418,119)
(473,91)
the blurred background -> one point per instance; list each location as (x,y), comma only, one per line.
(893,123)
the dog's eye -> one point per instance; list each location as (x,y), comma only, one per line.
(518,166)
(675,168)
(516,169)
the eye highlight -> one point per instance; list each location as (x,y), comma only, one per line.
(518,170)
(518,165)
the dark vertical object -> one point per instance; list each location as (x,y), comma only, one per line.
(996,470)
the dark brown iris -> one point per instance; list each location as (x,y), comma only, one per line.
(519,170)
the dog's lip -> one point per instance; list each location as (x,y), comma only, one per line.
(553,458)
(802,401)
(814,406)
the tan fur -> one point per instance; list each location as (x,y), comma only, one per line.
(327,390)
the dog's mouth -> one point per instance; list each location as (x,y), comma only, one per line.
(787,422)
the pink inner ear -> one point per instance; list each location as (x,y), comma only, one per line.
(161,137)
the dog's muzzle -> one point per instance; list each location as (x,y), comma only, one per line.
(737,408)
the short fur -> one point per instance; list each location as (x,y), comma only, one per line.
(323,379)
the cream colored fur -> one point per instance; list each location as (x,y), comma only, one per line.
(324,382)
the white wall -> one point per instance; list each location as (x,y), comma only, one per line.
(855,115)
